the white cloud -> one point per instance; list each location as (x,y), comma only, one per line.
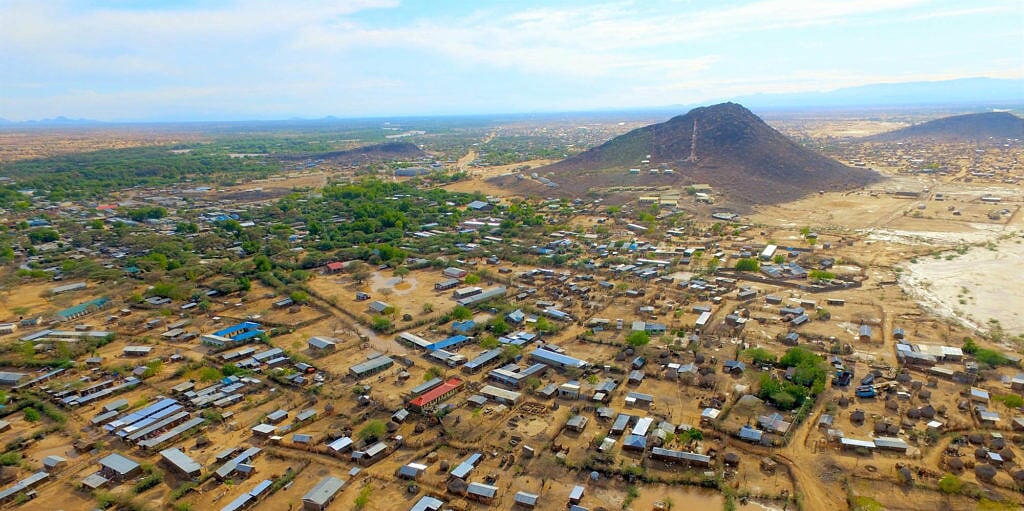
(310,57)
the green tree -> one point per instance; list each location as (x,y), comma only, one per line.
(638,338)
(299,296)
(31,414)
(1011,401)
(373,430)
(461,313)
(499,326)
(970,347)
(509,352)
(821,275)
(748,264)
(262,263)
(401,272)
(779,259)
(544,326)
(991,358)
(380,323)
(186,228)
(950,484)
(359,271)
(760,356)
(472,279)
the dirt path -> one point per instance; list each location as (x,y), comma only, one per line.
(805,482)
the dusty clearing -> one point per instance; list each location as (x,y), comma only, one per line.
(961,286)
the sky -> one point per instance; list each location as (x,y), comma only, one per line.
(124,60)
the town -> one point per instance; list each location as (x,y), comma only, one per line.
(400,326)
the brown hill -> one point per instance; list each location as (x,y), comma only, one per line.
(733,150)
(367,154)
(968,127)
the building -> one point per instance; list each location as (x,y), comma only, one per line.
(463,469)
(490,294)
(455,273)
(499,395)
(322,344)
(482,360)
(181,462)
(321,496)
(428,401)
(137,351)
(371,367)
(10,379)
(557,360)
(864,334)
(524,499)
(576,423)
(116,467)
(481,492)
(378,306)
(411,471)
(688,458)
(427,503)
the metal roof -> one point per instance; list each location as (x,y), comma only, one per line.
(482,490)
(324,491)
(181,460)
(527,499)
(119,463)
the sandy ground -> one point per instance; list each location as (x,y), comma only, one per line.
(963,286)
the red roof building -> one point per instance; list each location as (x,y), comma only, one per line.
(429,401)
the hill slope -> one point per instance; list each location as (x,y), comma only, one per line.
(736,152)
(999,125)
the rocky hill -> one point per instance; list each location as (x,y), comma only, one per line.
(724,145)
(968,127)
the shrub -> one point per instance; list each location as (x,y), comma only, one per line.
(32,415)
(638,338)
(748,264)
(950,484)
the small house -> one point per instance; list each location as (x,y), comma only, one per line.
(321,496)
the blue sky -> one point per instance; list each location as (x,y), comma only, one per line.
(271,59)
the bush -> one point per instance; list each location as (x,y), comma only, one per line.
(970,347)
(638,338)
(10,459)
(373,430)
(461,313)
(748,264)
(760,356)
(991,357)
(148,482)
(32,415)
(821,275)
(950,484)
(380,324)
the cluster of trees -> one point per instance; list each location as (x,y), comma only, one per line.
(748,264)
(93,174)
(808,379)
(145,213)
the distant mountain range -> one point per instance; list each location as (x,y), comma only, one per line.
(55,121)
(981,126)
(965,91)
(733,150)
(976,92)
